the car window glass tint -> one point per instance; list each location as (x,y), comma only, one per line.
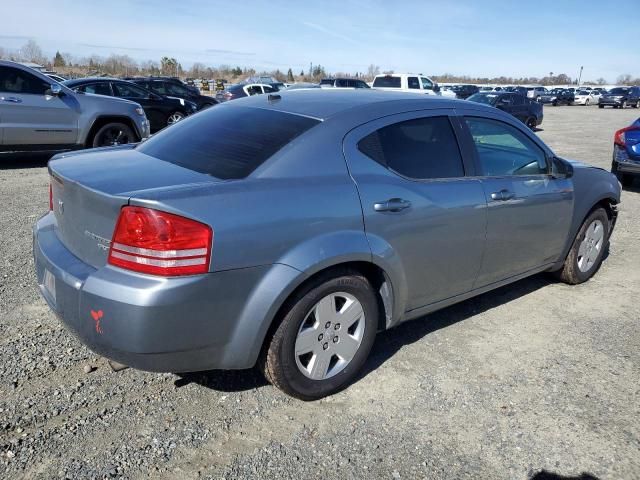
(422,148)
(413,82)
(14,80)
(176,90)
(96,88)
(426,84)
(124,90)
(226,142)
(387,82)
(505,150)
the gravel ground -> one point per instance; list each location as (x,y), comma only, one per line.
(534,376)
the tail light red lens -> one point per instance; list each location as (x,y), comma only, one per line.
(50,196)
(160,243)
(619,137)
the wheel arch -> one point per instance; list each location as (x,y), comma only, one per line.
(102,120)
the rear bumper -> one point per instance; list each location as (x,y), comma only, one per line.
(623,163)
(211,321)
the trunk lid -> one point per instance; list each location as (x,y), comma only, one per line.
(89,189)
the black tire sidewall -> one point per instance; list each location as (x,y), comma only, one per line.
(172,114)
(306,388)
(102,129)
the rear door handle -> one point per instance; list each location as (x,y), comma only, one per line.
(11,99)
(502,195)
(392,205)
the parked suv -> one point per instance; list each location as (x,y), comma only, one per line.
(175,88)
(406,82)
(161,111)
(557,96)
(39,114)
(535,92)
(626,154)
(620,97)
(343,83)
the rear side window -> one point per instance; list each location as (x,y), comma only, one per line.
(387,82)
(413,82)
(422,148)
(226,142)
(101,88)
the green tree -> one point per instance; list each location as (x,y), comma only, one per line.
(58,60)
(289,76)
(302,73)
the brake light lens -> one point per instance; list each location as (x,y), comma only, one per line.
(228,95)
(619,137)
(160,243)
(50,196)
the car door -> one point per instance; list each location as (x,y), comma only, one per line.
(421,213)
(154,107)
(529,210)
(31,115)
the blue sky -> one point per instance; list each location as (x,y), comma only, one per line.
(478,38)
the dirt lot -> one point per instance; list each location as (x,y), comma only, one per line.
(534,376)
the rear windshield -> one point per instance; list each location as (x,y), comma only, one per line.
(387,82)
(226,142)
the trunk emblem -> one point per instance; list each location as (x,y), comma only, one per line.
(61,207)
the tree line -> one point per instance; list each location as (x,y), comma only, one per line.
(71,66)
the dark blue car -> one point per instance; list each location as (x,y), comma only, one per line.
(626,153)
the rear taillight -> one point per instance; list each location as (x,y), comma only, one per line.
(228,95)
(619,137)
(50,196)
(160,243)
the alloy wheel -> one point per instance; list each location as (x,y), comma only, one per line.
(175,117)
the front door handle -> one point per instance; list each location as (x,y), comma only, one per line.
(392,205)
(11,99)
(502,195)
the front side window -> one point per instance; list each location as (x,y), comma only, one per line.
(426,83)
(413,82)
(504,150)
(254,90)
(422,148)
(176,90)
(14,80)
(128,91)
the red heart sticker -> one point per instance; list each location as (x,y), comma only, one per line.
(96,318)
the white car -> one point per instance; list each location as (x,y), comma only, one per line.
(586,97)
(405,82)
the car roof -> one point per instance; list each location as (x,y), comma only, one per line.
(94,79)
(325,103)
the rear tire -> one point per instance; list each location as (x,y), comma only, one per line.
(600,106)
(336,349)
(636,105)
(113,134)
(586,253)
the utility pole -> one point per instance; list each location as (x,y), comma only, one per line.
(580,76)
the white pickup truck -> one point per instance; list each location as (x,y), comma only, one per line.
(406,82)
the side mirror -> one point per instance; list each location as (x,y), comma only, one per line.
(55,90)
(436,88)
(561,168)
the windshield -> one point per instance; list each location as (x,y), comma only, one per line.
(618,91)
(483,98)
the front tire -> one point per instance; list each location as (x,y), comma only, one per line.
(531,123)
(623,104)
(324,338)
(113,134)
(586,253)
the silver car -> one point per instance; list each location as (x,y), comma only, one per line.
(286,230)
(39,114)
